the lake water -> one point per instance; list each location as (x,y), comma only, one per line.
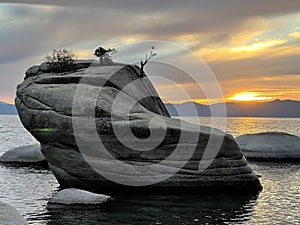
(29,189)
(247,125)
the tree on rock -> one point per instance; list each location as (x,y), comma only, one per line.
(105,55)
(147,59)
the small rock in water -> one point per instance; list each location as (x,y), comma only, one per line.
(30,154)
(9,215)
(270,145)
(77,198)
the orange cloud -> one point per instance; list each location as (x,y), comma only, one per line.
(255,27)
(268,47)
(279,87)
(257,46)
(295,34)
(84,54)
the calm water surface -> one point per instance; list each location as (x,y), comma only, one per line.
(247,125)
(29,189)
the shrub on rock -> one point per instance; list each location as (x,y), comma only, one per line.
(61,60)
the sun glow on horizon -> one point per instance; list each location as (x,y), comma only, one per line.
(8,99)
(248,96)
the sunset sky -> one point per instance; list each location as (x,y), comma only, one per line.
(252,46)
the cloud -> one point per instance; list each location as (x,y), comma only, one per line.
(258,46)
(29,30)
(280,87)
(223,33)
(295,34)
(266,7)
(259,66)
(269,48)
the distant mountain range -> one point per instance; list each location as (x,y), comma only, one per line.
(277,108)
(7,109)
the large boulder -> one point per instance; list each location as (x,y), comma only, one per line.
(9,215)
(270,146)
(63,125)
(30,154)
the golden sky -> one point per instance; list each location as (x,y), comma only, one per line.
(252,47)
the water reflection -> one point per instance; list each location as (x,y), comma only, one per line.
(27,188)
(248,125)
(279,202)
(200,209)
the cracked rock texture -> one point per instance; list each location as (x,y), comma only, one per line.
(45,102)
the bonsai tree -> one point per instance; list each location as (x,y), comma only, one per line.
(147,59)
(105,55)
(61,60)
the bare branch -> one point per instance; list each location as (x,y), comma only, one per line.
(147,59)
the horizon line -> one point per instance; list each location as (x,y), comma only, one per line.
(195,102)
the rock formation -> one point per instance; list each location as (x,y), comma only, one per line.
(46,103)
(270,146)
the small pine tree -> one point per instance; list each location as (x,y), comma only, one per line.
(105,55)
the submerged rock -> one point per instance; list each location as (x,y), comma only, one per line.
(9,215)
(73,197)
(270,145)
(46,104)
(30,154)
